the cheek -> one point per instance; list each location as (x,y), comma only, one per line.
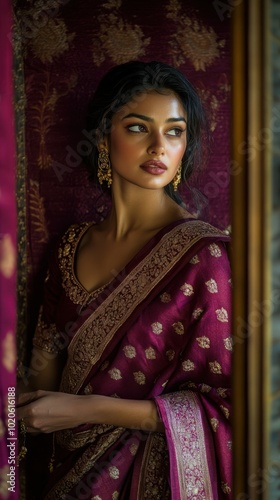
(121,147)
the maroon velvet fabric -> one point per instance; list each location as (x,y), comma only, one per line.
(8,425)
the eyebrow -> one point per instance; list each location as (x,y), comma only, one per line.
(149,119)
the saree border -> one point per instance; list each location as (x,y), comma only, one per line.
(120,305)
(181,413)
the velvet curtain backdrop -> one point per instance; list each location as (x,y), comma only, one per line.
(8,427)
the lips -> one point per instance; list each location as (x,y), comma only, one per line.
(155,167)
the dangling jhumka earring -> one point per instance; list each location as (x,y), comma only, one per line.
(104,172)
(177,179)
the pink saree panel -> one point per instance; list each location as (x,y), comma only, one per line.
(159,330)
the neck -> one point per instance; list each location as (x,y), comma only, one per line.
(137,209)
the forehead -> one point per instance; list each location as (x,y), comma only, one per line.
(164,104)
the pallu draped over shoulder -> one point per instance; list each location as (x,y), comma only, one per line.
(160,330)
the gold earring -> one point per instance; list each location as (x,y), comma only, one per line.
(177,179)
(104,172)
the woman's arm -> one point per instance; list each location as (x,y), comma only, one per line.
(46,412)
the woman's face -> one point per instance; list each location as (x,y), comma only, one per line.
(147,140)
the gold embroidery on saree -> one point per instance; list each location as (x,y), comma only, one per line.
(66,257)
(185,424)
(179,328)
(188,365)
(203,342)
(84,463)
(97,331)
(46,336)
(153,484)
(215,367)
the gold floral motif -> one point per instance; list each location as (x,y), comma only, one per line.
(214,423)
(114,472)
(188,365)
(203,342)
(170,354)
(115,495)
(225,411)
(9,352)
(115,374)
(156,328)
(222,392)
(165,383)
(43,116)
(225,487)
(133,448)
(215,367)
(187,289)
(51,40)
(215,250)
(179,328)
(228,343)
(117,39)
(129,351)
(222,315)
(195,260)
(197,312)
(192,40)
(150,353)
(7,256)
(205,388)
(96,497)
(37,212)
(212,286)
(139,377)
(165,297)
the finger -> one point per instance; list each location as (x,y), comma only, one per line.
(26,397)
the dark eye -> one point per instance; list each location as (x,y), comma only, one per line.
(137,128)
(176,132)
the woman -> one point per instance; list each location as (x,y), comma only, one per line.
(134,332)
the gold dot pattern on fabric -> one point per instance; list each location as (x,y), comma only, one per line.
(156,328)
(139,378)
(222,315)
(115,374)
(187,289)
(188,365)
(179,328)
(203,342)
(212,286)
(129,351)
(215,367)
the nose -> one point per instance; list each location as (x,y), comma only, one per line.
(156,146)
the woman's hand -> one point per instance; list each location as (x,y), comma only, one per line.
(46,411)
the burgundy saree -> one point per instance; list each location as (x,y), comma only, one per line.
(159,330)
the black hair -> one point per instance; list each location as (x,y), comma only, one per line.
(123,83)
